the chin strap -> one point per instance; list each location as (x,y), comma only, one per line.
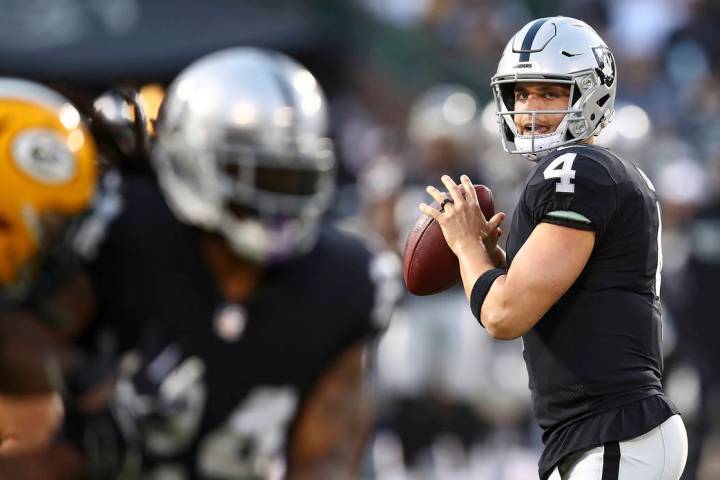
(538,145)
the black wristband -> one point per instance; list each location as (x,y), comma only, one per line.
(481,289)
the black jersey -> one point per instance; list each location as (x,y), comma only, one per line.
(214,388)
(594,359)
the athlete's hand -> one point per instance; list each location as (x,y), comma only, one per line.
(28,422)
(462,221)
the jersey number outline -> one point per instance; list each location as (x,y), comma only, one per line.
(565,173)
(250,444)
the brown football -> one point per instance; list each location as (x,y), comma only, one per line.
(429,266)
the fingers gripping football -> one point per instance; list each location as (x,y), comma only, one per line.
(461,219)
(429,265)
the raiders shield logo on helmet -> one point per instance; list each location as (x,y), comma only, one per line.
(606,64)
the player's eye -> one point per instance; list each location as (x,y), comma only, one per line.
(521,96)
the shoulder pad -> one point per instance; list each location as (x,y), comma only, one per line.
(577,180)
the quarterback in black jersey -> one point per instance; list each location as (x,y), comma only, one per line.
(581,278)
(241,321)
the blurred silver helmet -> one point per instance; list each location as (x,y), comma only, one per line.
(444,111)
(558,50)
(241,150)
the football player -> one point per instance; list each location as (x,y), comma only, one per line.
(581,279)
(242,320)
(47,179)
(120,126)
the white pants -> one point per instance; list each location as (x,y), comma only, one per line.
(660,454)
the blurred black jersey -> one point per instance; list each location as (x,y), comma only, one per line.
(214,387)
(594,360)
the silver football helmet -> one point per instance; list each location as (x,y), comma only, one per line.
(241,150)
(444,111)
(558,50)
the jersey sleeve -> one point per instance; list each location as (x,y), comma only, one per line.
(572,190)
(359,286)
(376,290)
(366,292)
(385,276)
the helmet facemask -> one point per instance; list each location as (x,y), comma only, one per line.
(274,203)
(590,107)
(266,205)
(534,145)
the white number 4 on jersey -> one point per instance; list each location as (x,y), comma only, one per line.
(561,168)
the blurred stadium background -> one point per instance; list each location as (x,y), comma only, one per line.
(408,86)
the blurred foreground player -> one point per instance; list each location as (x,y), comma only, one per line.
(47,179)
(243,321)
(581,281)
